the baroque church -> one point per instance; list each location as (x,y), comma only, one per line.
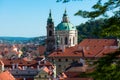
(62,36)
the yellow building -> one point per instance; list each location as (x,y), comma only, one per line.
(44,74)
(1,66)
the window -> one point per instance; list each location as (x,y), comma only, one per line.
(66,40)
(65,27)
(59,66)
(50,26)
(39,76)
(73,60)
(59,60)
(45,76)
(50,33)
(52,59)
(73,40)
(61,41)
(66,60)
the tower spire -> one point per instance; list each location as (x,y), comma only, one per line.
(50,18)
(65,17)
(50,15)
(65,12)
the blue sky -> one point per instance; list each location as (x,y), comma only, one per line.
(27,18)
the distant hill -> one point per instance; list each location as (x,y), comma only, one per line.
(15,38)
(90,29)
(34,40)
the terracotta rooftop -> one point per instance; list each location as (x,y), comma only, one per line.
(96,47)
(21,62)
(88,48)
(68,52)
(6,76)
(72,74)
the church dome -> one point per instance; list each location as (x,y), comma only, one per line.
(65,26)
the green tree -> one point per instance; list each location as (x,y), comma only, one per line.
(107,68)
(101,8)
(90,29)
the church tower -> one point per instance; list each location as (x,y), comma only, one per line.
(50,42)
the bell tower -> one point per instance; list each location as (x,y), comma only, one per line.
(50,42)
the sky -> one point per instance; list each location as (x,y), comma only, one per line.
(28,18)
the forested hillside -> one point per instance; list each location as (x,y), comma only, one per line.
(92,29)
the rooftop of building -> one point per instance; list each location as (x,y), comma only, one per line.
(88,48)
(6,75)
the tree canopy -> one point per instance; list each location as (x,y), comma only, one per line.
(112,27)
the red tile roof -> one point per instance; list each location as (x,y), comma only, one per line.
(6,76)
(72,74)
(88,48)
(21,62)
(95,47)
(68,52)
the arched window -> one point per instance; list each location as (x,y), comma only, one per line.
(50,33)
(70,41)
(66,40)
(61,41)
(73,40)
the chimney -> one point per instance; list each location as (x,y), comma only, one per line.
(38,67)
(17,65)
(13,66)
(38,62)
(24,67)
(44,61)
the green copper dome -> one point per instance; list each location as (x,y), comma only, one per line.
(66,26)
